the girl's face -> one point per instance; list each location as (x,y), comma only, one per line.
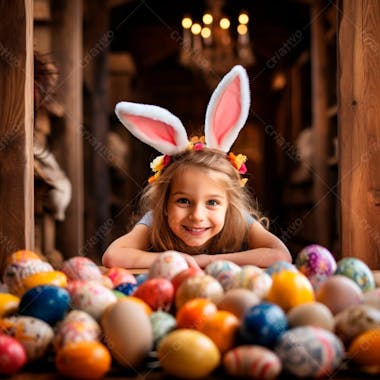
(197,207)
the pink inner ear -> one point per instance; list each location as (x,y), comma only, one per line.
(153,129)
(227,111)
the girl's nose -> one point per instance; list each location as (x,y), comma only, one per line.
(197,212)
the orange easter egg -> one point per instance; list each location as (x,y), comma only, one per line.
(56,277)
(194,313)
(22,255)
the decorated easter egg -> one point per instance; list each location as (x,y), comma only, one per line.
(355,320)
(91,297)
(158,293)
(183,275)
(221,328)
(8,304)
(22,255)
(127,332)
(365,351)
(372,297)
(254,362)
(311,314)
(224,271)
(357,271)
(194,313)
(81,268)
(142,277)
(55,277)
(83,360)
(279,266)
(15,273)
(338,293)
(188,354)
(12,355)
(120,275)
(238,301)
(46,302)
(34,334)
(263,324)
(316,263)
(162,323)
(199,286)
(127,288)
(167,265)
(310,352)
(290,289)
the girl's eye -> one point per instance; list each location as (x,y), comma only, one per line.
(183,201)
(212,202)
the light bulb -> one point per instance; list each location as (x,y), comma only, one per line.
(243,18)
(224,23)
(196,28)
(187,22)
(207,19)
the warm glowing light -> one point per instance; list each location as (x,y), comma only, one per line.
(207,19)
(206,32)
(196,28)
(242,29)
(187,22)
(243,18)
(224,23)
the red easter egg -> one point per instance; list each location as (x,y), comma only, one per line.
(183,275)
(158,293)
(12,355)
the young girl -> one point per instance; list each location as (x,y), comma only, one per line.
(196,202)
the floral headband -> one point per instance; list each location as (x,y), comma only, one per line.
(226,115)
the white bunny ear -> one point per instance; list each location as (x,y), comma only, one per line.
(227,110)
(154,126)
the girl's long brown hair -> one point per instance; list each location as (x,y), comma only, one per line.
(240,204)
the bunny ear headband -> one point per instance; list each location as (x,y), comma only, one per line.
(226,115)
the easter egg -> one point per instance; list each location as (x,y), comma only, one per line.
(199,286)
(223,271)
(310,352)
(158,293)
(83,360)
(167,265)
(46,302)
(311,314)
(188,354)
(34,334)
(12,355)
(372,297)
(338,293)
(8,304)
(81,268)
(55,277)
(357,271)
(263,324)
(91,297)
(22,255)
(127,332)
(355,320)
(290,289)
(238,301)
(221,328)
(365,351)
(279,266)
(162,324)
(252,362)
(194,313)
(142,277)
(316,263)
(127,288)
(183,275)
(120,275)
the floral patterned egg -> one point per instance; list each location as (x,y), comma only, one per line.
(120,276)
(81,268)
(167,265)
(310,352)
(316,263)
(358,271)
(33,333)
(254,362)
(91,297)
(224,271)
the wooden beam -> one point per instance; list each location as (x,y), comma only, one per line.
(359,128)
(16,127)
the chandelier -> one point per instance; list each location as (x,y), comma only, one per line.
(211,47)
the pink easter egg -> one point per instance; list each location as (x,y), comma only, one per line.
(81,268)
(12,355)
(158,293)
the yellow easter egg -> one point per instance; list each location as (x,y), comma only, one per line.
(8,304)
(56,277)
(290,289)
(22,255)
(188,354)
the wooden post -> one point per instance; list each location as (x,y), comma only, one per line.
(359,128)
(16,127)
(322,198)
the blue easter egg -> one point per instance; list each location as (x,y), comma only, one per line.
(141,278)
(126,288)
(46,302)
(279,266)
(263,324)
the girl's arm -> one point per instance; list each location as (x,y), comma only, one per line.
(131,251)
(264,250)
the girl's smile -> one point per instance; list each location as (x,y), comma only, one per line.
(197,207)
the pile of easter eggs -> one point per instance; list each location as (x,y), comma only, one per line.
(305,319)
